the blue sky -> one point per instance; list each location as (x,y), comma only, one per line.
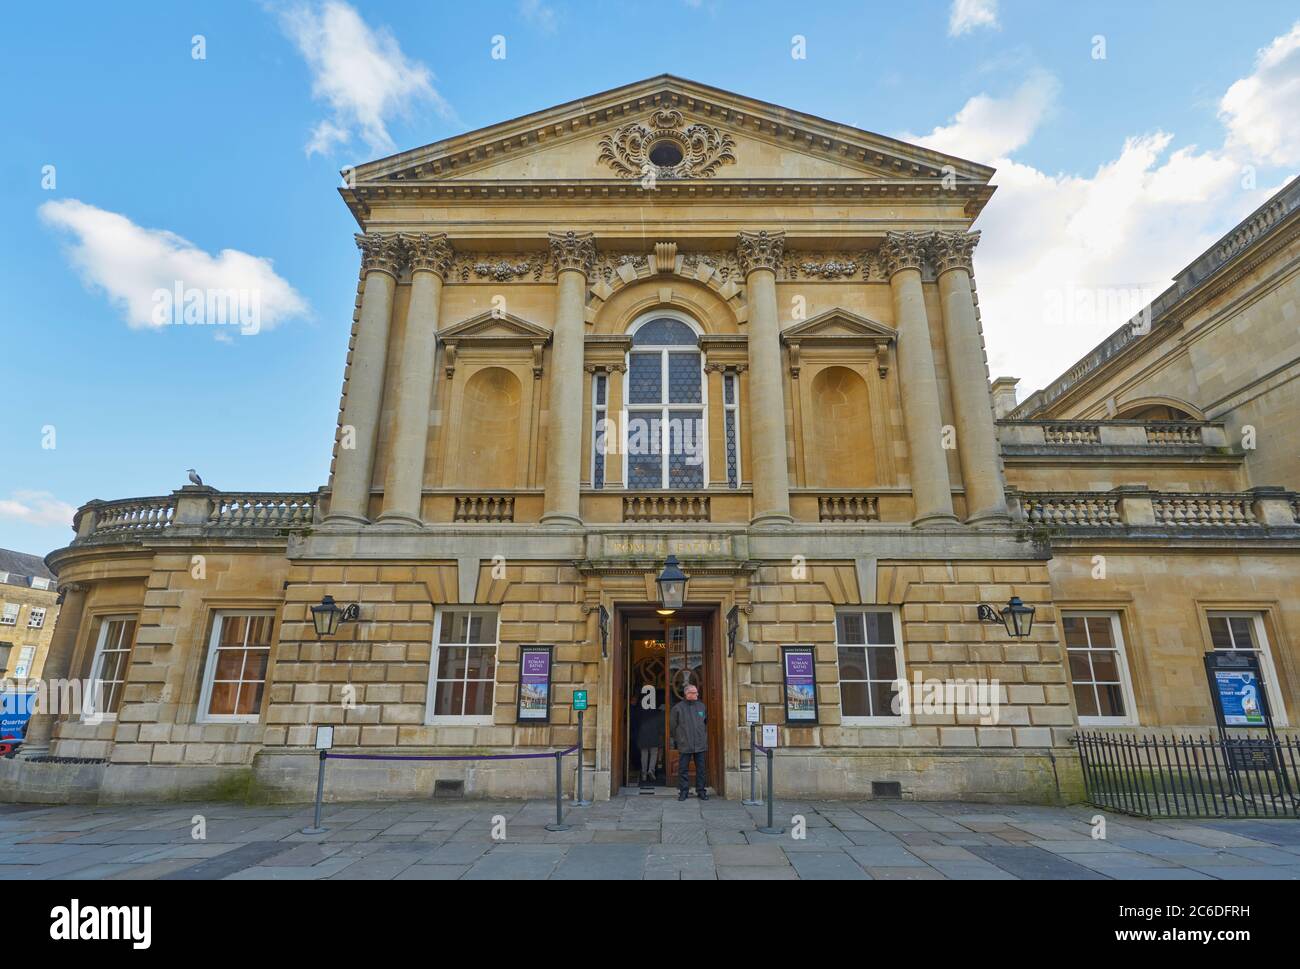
(1114,171)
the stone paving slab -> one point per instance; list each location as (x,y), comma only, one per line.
(633,837)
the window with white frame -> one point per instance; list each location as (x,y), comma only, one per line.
(234,678)
(731,425)
(23,668)
(665,443)
(600,443)
(109,665)
(9,615)
(35,618)
(463,668)
(1103,693)
(869,644)
(1244,632)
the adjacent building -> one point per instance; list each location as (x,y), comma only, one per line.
(28,610)
(671,320)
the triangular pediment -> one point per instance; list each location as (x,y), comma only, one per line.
(721,136)
(492,326)
(837,325)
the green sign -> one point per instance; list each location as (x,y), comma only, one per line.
(579,699)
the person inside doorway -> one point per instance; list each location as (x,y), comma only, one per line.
(688,726)
(650,734)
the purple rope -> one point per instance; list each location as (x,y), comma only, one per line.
(553,753)
(761,749)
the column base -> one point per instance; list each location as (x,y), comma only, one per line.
(342,519)
(771,519)
(994,518)
(561,519)
(933,521)
(32,751)
(398,519)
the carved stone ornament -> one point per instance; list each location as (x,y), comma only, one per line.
(952,250)
(826,265)
(725,264)
(903,250)
(606,264)
(428,250)
(760,250)
(699,149)
(573,250)
(380,251)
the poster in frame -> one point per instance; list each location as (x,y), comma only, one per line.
(798,674)
(534,703)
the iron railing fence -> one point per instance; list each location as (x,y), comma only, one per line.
(1207,776)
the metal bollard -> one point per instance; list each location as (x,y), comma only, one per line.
(559,824)
(579,800)
(320,794)
(771,800)
(753,772)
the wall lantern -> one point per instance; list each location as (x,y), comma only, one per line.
(1015,615)
(672,587)
(327,616)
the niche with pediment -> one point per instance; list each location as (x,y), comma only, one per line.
(490,395)
(840,369)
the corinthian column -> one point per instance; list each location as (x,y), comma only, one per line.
(902,253)
(759,254)
(977,442)
(58,663)
(429,257)
(381,256)
(574,253)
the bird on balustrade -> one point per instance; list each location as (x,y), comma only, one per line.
(194,477)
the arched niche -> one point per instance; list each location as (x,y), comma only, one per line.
(842,455)
(488,455)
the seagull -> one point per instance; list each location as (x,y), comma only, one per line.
(194,478)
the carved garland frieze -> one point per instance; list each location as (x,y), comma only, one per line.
(701,149)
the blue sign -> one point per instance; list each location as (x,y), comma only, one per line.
(15,710)
(1239,698)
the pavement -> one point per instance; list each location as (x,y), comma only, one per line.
(633,837)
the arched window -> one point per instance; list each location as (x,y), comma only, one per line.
(666,442)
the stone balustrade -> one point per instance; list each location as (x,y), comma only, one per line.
(1138,506)
(666,508)
(194,510)
(1021,435)
(848,508)
(485,508)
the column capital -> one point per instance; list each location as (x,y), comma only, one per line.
(902,250)
(573,250)
(380,252)
(761,249)
(952,250)
(428,251)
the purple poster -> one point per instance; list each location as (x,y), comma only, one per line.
(800,685)
(535,683)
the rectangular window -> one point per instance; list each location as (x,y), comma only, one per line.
(234,679)
(1103,695)
(9,616)
(35,618)
(666,436)
(1244,632)
(23,669)
(108,668)
(869,644)
(463,668)
(731,426)
(599,430)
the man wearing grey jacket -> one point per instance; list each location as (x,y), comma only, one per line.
(688,725)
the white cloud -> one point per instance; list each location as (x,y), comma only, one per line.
(134,265)
(966,15)
(540,15)
(1262,111)
(361,73)
(37,508)
(1066,258)
(987,127)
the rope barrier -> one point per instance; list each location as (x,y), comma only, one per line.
(548,753)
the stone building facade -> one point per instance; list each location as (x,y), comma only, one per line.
(670,320)
(28,610)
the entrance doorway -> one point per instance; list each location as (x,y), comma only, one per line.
(661,656)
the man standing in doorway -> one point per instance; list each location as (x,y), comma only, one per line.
(688,724)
